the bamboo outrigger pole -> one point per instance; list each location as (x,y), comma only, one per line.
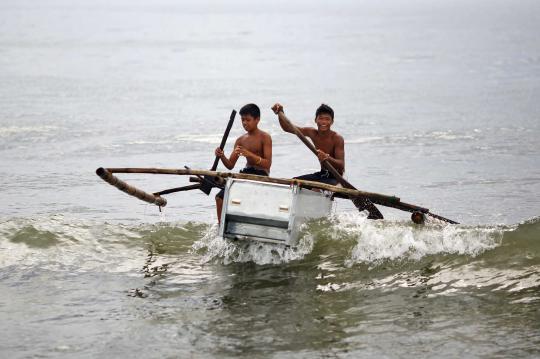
(286,181)
(132,191)
(389,201)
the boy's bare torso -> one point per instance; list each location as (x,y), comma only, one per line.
(329,142)
(326,143)
(253,142)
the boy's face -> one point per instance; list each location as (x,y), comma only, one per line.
(249,122)
(324,122)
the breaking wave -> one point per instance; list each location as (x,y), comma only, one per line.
(358,240)
(377,254)
(362,241)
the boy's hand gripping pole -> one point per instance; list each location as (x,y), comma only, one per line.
(207,182)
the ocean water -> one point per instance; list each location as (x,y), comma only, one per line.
(437,102)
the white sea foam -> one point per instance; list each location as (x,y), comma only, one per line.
(392,240)
(213,247)
(373,241)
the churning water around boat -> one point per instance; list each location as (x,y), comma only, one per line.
(437,102)
(177,289)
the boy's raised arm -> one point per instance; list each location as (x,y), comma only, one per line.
(277,108)
(306,131)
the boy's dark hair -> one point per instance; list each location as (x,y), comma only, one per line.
(325,109)
(250,109)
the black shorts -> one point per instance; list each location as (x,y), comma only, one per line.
(247,171)
(322,176)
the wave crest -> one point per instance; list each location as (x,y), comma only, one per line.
(378,241)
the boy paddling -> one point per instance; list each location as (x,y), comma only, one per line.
(255,146)
(329,144)
(330,150)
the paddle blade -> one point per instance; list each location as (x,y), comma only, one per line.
(364,204)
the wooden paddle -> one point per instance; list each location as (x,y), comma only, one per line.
(362,203)
(206,183)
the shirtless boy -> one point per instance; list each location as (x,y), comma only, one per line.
(329,144)
(255,146)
